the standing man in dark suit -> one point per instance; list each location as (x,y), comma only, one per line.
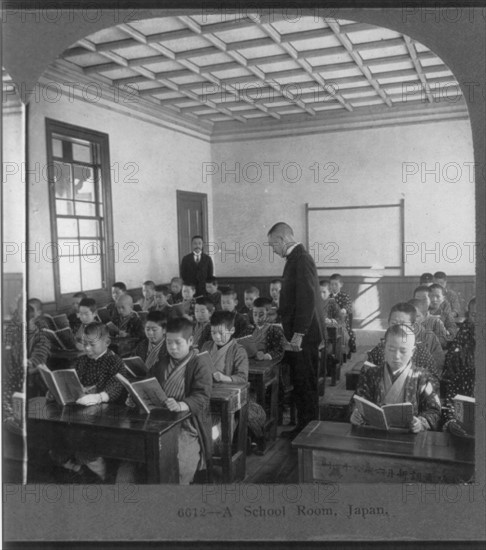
(197,267)
(303,323)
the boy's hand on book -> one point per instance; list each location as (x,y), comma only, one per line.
(173,405)
(455,428)
(263,356)
(220,377)
(49,396)
(90,399)
(416,426)
(296,341)
(129,402)
(357,418)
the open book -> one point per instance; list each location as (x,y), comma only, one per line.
(64,384)
(62,338)
(464,412)
(61,321)
(135,366)
(248,342)
(388,417)
(147,394)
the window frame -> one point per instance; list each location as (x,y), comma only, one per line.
(108,249)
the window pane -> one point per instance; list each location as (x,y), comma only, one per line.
(100,210)
(69,274)
(84,183)
(64,208)
(100,187)
(67,227)
(68,247)
(63,181)
(82,152)
(90,247)
(85,209)
(57,148)
(88,228)
(91,272)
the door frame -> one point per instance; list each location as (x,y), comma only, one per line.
(192,195)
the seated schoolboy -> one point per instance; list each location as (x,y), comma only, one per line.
(251,294)
(213,293)
(176,290)
(426,279)
(229,301)
(441,307)
(229,358)
(275,289)
(431,323)
(460,355)
(203,310)
(269,338)
(153,346)
(161,299)
(185,376)
(128,322)
(428,338)
(38,351)
(73,318)
(117,291)
(399,380)
(332,314)
(97,373)
(460,370)
(86,315)
(41,321)
(406,314)
(188,301)
(148,299)
(452,297)
(346,305)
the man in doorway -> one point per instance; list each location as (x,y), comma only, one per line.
(302,320)
(197,266)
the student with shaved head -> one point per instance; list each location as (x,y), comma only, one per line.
(301,311)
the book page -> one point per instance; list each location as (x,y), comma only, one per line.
(69,385)
(136,366)
(150,392)
(371,413)
(399,415)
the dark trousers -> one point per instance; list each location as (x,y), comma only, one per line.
(303,370)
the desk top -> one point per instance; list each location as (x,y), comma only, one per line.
(262,367)
(107,415)
(428,445)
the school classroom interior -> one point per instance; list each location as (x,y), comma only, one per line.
(360,132)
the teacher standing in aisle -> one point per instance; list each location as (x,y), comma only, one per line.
(302,321)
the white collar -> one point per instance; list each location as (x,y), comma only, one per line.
(290,248)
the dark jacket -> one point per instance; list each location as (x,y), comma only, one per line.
(198,387)
(300,306)
(197,273)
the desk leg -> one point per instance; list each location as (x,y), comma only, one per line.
(226,443)
(274,407)
(241,443)
(162,462)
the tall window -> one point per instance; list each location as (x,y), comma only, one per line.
(80,202)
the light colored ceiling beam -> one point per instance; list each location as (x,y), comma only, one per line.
(418,67)
(334,26)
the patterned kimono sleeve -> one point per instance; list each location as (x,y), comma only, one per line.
(275,343)
(461,383)
(113,387)
(346,303)
(40,350)
(429,407)
(425,361)
(375,355)
(367,383)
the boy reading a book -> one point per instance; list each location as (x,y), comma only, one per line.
(185,377)
(148,299)
(275,289)
(251,294)
(399,380)
(188,292)
(346,306)
(268,338)
(203,310)
(213,293)
(452,297)
(117,291)
(428,338)
(87,315)
(73,317)
(96,371)
(229,302)
(161,299)
(431,323)
(128,322)
(153,347)
(441,307)
(176,290)
(332,314)
(41,321)
(38,351)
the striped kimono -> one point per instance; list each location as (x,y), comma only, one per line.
(151,353)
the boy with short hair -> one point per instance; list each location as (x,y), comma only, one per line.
(251,294)
(97,373)
(269,338)
(185,376)
(346,306)
(188,301)
(426,279)
(86,315)
(130,327)
(203,309)
(213,293)
(399,380)
(40,320)
(117,291)
(428,338)
(153,347)
(148,299)
(451,296)
(161,299)
(441,307)
(275,289)
(406,315)
(229,301)
(176,290)
(73,318)
(431,323)
(38,351)
(332,314)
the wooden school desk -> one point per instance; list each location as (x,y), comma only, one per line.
(111,431)
(339,452)
(262,375)
(226,400)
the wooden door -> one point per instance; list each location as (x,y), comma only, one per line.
(192,219)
